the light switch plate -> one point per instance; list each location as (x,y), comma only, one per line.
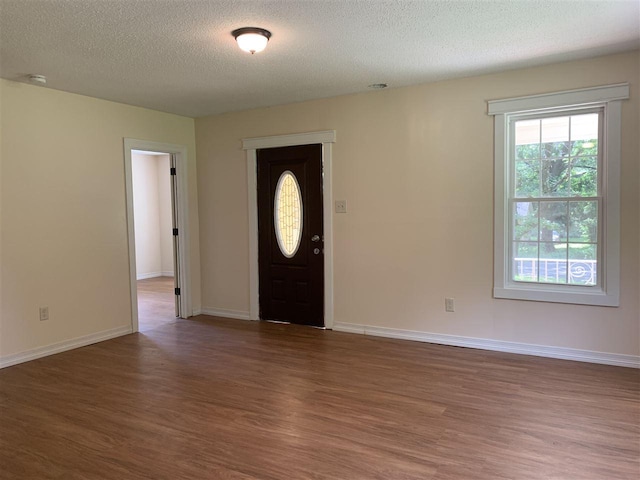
(341,206)
(449,305)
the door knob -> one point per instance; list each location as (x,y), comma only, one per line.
(315,238)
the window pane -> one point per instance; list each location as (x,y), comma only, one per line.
(584,127)
(583,221)
(584,147)
(584,177)
(553,268)
(525,261)
(550,250)
(528,178)
(527,132)
(526,152)
(526,221)
(555,177)
(582,264)
(555,129)
(555,149)
(553,221)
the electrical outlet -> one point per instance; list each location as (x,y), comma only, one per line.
(448,305)
(341,206)
(44,313)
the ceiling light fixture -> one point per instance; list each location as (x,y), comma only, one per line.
(252,39)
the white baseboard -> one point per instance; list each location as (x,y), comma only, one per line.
(83,341)
(144,276)
(221,312)
(617,359)
(166,273)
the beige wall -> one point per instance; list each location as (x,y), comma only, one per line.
(165,213)
(416,168)
(64,227)
(144,177)
(152,215)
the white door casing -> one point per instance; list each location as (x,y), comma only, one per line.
(180,152)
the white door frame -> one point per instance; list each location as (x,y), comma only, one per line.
(251,145)
(180,151)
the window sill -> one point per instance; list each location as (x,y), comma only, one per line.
(543,293)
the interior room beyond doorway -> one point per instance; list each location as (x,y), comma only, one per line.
(154,241)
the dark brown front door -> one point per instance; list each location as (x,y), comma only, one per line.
(290,234)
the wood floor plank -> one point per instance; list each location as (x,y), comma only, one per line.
(155,302)
(211,398)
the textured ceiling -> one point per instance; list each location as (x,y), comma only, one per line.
(179,56)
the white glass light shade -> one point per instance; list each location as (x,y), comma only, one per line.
(252,42)
(251,39)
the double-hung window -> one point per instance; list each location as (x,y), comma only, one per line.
(557,196)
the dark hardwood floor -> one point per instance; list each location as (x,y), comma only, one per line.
(155,302)
(209,398)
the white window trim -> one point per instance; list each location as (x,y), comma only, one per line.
(609,97)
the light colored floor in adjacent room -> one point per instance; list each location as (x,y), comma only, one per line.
(156,304)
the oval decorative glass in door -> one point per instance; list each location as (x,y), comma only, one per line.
(288,214)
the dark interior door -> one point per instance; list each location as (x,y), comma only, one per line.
(290,234)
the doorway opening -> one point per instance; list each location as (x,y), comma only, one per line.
(158,236)
(153,216)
